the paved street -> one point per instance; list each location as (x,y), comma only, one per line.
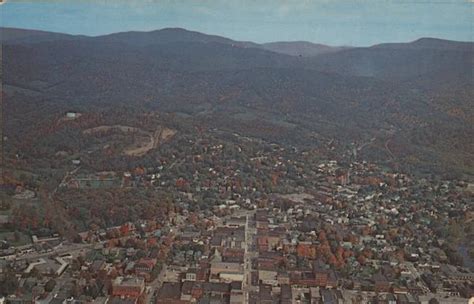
(155,286)
(250,233)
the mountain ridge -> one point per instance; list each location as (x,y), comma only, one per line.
(176,34)
(416,96)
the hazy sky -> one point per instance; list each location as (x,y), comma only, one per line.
(334,22)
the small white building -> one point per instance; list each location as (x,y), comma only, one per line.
(72,114)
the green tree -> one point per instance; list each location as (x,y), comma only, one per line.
(49,286)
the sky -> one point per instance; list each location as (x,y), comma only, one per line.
(332,22)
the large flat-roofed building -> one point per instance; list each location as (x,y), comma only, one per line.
(218,267)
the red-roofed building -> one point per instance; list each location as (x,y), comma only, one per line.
(128,287)
(262,243)
(144,267)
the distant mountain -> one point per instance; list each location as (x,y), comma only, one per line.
(399,61)
(300,48)
(416,95)
(174,35)
(170,35)
(166,36)
(22,36)
(428,43)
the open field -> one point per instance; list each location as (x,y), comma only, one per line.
(144,141)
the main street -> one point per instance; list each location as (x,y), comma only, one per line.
(249,254)
(154,286)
